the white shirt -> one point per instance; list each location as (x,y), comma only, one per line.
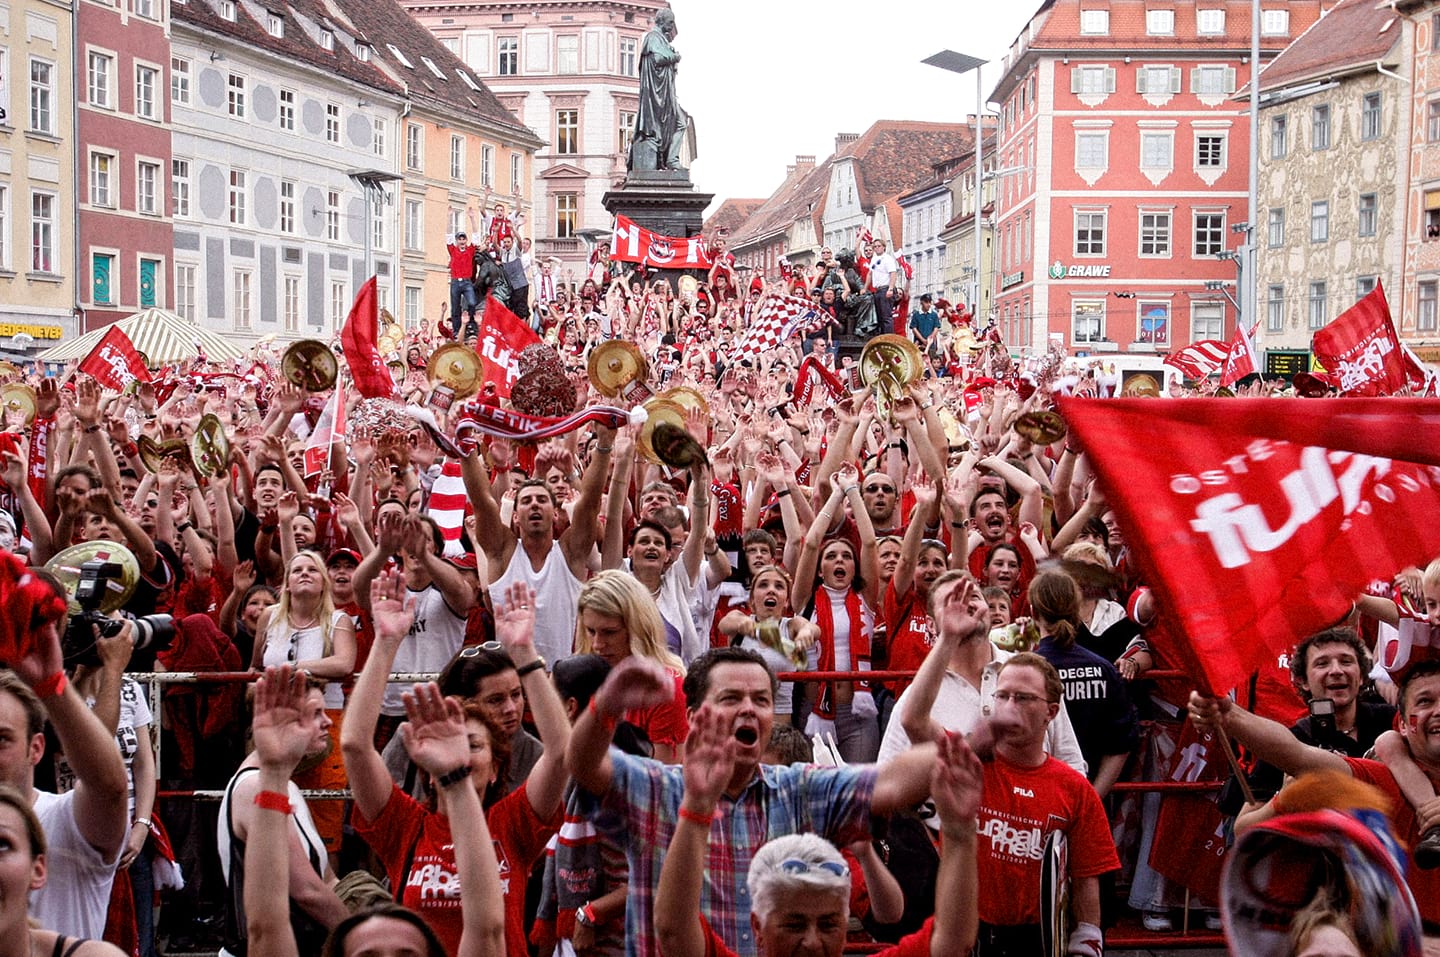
(882,267)
(76,895)
(434,638)
(557,597)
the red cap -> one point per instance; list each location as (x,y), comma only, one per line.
(345,553)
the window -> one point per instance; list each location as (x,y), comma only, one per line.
(487,165)
(1154,234)
(332,123)
(179,81)
(1089,233)
(1207,321)
(1275,308)
(1432,122)
(237,197)
(377,137)
(1369,208)
(227,10)
(240,310)
(625,135)
(291,310)
(287,111)
(102,169)
(146,79)
(235,102)
(378,238)
(1426,320)
(185,291)
(147,187)
(287,206)
(145,8)
(102,274)
(1160,22)
(414,224)
(1088,320)
(332,215)
(567,54)
(1209,152)
(1365,285)
(362,51)
(1210,21)
(629,47)
(1092,80)
(1275,23)
(1209,234)
(1154,323)
(180,188)
(414,147)
(327,40)
(1212,80)
(42,97)
(339,303)
(454,218)
(275,25)
(1370,116)
(1279,144)
(1094,22)
(1157,79)
(1092,150)
(1157,150)
(413,298)
(567,132)
(98,79)
(1320,127)
(1275,227)
(1317,305)
(1320,221)
(4,226)
(566,211)
(515,174)
(1432,214)
(42,232)
(509,56)
(457,157)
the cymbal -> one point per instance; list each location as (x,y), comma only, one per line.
(152,453)
(458,368)
(18,397)
(210,446)
(687,398)
(66,567)
(1141,386)
(660,411)
(616,366)
(310,365)
(1042,426)
(890,357)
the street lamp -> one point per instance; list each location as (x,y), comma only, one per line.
(963,63)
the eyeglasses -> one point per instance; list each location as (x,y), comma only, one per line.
(473,651)
(1019,697)
(796,866)
(880,488)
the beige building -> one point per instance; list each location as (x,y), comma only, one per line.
(958,236)
(1334,138)
(1417,306)
(37,173)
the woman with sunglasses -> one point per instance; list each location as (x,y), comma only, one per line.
(840,590)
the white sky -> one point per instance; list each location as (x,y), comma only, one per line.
(765,80)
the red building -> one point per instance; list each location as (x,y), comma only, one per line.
(1122,162)
(122,84)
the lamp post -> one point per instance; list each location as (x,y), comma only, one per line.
(954,62)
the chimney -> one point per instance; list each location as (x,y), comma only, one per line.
(843,140)
(805,163)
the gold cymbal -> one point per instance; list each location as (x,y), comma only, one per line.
(210,446)
(618,368)
(18,397)
(687,398)
(1042,426)
(66,567)
(152,453)
(457,367)
(1142,386)
(659,411)
(310,365)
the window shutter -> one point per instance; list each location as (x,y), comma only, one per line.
(1174,79)
(1229,79)
(1110,79)
(1075,79)
(1194,79)
(1140,79)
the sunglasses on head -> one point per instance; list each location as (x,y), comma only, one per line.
(473,651)
(796,866)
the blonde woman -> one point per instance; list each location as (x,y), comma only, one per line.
(617,619)
(305,631)
(786,642)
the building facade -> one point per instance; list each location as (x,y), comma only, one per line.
(569,70)
(123,161)
(1416,306)
(785,229)
(924,213)
(37,183)
(1121,117)
(958,236)
(1335,130)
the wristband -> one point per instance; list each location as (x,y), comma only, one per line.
(184,527)
(130,449)
(850,488)
(269,529)
(535,665)
(274,801)
(606,721)
(693,818)
(53,686)
(782,493)
(144,822)
(92,429)
(959,524)
(454,776)
(604,448)
(712,553)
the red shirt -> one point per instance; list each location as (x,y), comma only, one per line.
(1019,592)
(1425,885)
(909,632)
(914,945)
(666,723)
(462,261)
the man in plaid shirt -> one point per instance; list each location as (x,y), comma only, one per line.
(761,802)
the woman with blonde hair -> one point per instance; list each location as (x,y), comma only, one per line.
(786,642)
(618,618)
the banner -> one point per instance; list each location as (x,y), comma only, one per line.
(330,426)
(1258,521)
(1240,359)
(1199,359)
(114,363)
(777,319)
(508,424)
(811,369)
(1361,347)
(636,244)
(362,354)
(503,336)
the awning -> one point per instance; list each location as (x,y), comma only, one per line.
(162,336)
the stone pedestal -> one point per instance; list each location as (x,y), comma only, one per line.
(664,201)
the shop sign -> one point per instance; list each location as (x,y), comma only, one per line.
(1012,279)
(34,332)
(1059,270)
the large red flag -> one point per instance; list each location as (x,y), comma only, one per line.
(114,362)
(503,336)
(329,429)
(1258,521)
(358,339)
(1240,359)
(1361,347)
(636,244)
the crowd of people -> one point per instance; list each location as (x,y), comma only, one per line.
(621,751)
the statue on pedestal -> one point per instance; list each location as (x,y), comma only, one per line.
(660,124)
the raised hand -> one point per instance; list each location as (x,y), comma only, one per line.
(633,684)
(434,732)
(925,492)
(515,621)
(13,470)
(846,475)
(347,513)
(284,726)
(87,402)
(391,613)
(390,532)
(957,783)
(244,576)
(288,508)
(709,760)
(100,501)
(47,398)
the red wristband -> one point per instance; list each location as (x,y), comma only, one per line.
(693,818)
(53,686)
(274,801)
(606,721)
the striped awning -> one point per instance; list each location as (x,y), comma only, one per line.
(162,336)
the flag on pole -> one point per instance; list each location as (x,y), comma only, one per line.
(775,321)
(1240,358)
(329,428)
(1361,346)
(503,336)
(1200,359)
(114,362)
(359,339)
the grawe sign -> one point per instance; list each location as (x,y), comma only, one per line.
(1059,270)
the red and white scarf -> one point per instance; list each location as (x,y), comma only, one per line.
(859,645)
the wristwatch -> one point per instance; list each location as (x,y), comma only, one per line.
(585,914)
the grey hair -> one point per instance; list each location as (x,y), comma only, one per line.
(767,879)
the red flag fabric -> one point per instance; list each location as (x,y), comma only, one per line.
(114,362)
(1240,358)
(503,336)
(330,426)
(1199,359)
(636,244)
(1423,379)
(1258,521)
(1189,844)
(1362,348)
(362,354)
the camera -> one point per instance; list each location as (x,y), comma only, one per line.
(1322,716)
(152,632)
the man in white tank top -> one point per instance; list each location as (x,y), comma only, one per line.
(528,551)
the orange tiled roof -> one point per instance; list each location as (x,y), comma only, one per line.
(1354,33)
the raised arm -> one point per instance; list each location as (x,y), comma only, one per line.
(515,627)
(579,539)
(490,532)
(926,510)
(1031,502)
(956,786)
(694,549)
(634,683)
(613,550)
(1270,741)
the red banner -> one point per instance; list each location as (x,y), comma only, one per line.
(1240,359)
(114,362)
(503,336)
(1361,347)
(362,354)
(636,244)
(1258,521)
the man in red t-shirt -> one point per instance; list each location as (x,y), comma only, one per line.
(462,280)
(799,884)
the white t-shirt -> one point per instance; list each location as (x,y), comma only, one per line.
(434,638)
(134,713)
(76,895)
(882,267)
(557,598)
(285,645)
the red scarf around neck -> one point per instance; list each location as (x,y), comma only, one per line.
(859,645)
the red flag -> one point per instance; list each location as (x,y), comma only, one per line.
(636,244)
(114,362)
(358,339)
(328,429)
(1240,359)
(503,336)
(1362,348)
(1258,521)
(1199,359)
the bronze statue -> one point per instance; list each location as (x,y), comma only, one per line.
(660,123)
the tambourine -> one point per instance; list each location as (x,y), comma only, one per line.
(310,365)
(888,364)
(18,397)
(659,411)
(1042,426)
(65,566)
(1142,386)
(619,370)
(210,446)
(688,399)
(153,453)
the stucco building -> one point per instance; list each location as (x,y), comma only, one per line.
(924,213)
(1416,305)
(958,236)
